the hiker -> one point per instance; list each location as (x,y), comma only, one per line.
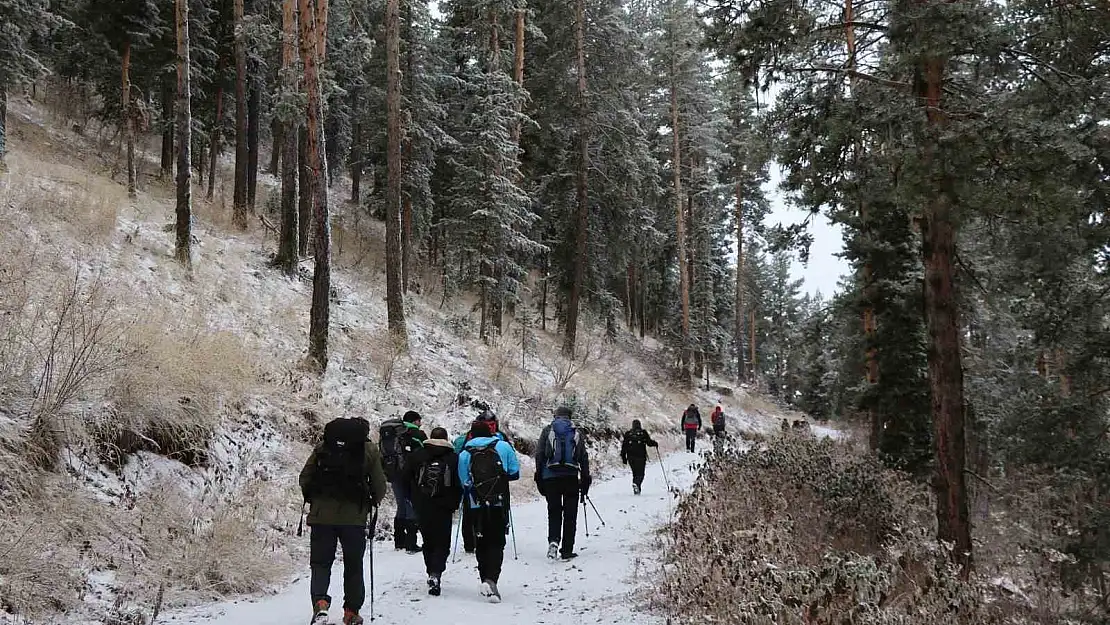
(691,423)
(634,452)
(717,420)
(342,481)
(486,466)
(398,439)
(432,478)
(562,477)
(467,530)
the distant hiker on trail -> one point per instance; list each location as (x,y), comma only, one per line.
(691,423)
(562,476)
(490,419)
(634,452)
(432,477)
(486,466)
(398,439)
(717,419)
(342,481)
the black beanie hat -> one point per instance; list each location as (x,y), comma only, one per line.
(636,424)
(563,411)
(480,429)
(411,416)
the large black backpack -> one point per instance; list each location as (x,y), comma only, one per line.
(433,478)
(487,474)
(341,472)
(393,441)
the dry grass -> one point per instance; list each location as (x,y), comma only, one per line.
(800,531)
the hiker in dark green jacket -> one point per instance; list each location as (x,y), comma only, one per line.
(339,507)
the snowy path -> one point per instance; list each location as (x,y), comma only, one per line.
(594,588)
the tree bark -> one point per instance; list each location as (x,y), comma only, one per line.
(254,120)
(288,257)
(214,159)
(321,278)
(168,125)
(518,70)
(581,185)
(942,320)
(129,122)
(278,133)
(239,202)
(395,297)
(751,345)
(680,221)
(304,193)
(738,330)
(183,249)
(356,146)
(3,123)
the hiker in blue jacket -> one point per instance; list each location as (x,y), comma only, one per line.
(486,466)
(562,477)
(467,529)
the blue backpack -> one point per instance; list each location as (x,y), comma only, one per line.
(562,440)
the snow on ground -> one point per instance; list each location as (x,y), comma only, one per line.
(603,585)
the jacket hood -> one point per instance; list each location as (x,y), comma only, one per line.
(636,424)
(481,441)
(437,447)
(561,426)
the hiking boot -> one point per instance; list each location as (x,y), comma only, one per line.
(320,612)
(489,591)
(434,587)
(553,551)
(351,617)
(413,549)
(570,555)
(635,489)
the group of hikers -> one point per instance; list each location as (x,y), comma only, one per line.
(691,425)
(344,480)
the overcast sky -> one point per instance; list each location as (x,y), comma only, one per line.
(824,268)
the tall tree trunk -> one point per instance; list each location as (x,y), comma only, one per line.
(304,193)
(3,124)
(395,296)
(680,221)
(277,131)
(168,125)
(751,345)
(214,159)
(356,145)
(518,70)
(129,122)
(738,329)
(288,257)
(254,120)
(183,249)
(942,320)
(581,246)
(239,202)
(311,48)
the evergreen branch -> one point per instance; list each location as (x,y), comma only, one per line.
(983,480)
(1040,63)
(851,73)
(853,24)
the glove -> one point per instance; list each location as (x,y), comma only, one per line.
(584,486)
(653,444)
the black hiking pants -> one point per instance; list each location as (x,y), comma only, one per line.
(489,540)
(435,526)
(691,439)
(468,528)
(562,511)
(322,543)
(637,465)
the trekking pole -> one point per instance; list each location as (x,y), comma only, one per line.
(585,517)
(372,530)
(590,499)
(458,530)
(663,467)
(512,528)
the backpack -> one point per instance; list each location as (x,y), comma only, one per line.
(392,442)
(433,478)
(690,418)
(719,421)
(560,449)
(487,474)
(341,472)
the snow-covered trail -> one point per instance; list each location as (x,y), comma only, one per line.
(594,588)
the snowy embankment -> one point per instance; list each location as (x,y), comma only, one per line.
(604,584)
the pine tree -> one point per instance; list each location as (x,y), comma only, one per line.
(287,109)
(312,54)
(19,64)
(239,202)
(395,296)
(183,249)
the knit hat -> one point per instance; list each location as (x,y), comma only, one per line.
(480,429)
(636,424)
(411,417)
(439,434)
(563,411)
(487,415)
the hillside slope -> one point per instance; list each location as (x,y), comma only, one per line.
(152,420)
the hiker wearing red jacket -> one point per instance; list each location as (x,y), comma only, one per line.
(691,423)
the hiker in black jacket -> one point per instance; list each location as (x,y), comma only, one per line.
(634,452)
(432,477)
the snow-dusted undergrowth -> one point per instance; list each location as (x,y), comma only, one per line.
(166,475)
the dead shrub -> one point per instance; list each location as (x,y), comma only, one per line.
(799,531)
(562,369)
(387,350)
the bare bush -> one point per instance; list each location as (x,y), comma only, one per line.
(387,350)
(800,531)
(562,369)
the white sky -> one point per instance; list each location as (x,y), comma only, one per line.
(824,268)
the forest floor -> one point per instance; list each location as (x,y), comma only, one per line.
(177,453)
